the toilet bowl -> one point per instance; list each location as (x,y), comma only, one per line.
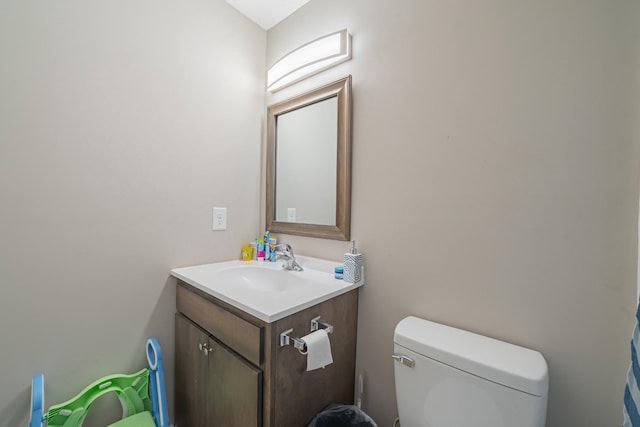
(448,377)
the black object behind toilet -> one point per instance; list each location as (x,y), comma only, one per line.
(342,416)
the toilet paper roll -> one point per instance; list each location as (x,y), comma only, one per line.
(318,349)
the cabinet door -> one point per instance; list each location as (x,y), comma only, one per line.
(235,389)
(191,374)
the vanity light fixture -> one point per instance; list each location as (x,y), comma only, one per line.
(309,59)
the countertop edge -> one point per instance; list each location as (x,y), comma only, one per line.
(268,318)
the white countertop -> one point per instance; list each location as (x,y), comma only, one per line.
(285,292)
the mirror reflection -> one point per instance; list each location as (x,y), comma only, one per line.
(309,163)
(306,164)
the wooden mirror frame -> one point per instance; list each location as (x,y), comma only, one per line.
(342,229)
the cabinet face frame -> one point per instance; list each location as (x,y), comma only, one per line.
(217,386)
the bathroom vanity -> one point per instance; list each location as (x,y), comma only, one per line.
(231,369)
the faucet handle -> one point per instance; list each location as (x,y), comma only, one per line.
(285,248)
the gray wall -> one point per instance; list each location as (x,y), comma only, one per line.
(495,180)
(122,123)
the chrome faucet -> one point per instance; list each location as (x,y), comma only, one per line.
(283,251)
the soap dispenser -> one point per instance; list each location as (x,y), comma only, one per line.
(353,265)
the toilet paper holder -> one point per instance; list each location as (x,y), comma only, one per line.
(317,324)
(287,339)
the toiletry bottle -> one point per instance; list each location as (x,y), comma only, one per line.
(353,265)
(247,253)
(267,249)
(260,250)
(273,241)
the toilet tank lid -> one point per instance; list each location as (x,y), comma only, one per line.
(503,363)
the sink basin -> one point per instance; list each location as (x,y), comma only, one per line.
(261,279)
(264,289)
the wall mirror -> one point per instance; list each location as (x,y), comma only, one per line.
(309,163)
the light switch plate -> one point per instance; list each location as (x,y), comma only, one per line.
(291,214)
(219,219)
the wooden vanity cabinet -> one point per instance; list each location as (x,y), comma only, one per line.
(232,372)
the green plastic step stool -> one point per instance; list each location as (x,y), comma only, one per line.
(130,389)
(142,396)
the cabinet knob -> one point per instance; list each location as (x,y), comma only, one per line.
(203,348)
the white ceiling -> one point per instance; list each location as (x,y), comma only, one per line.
(267,13)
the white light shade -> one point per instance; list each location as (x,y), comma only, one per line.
(310,59)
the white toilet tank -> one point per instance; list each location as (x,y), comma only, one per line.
(447,377)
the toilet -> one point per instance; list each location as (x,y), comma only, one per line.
(448,377)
